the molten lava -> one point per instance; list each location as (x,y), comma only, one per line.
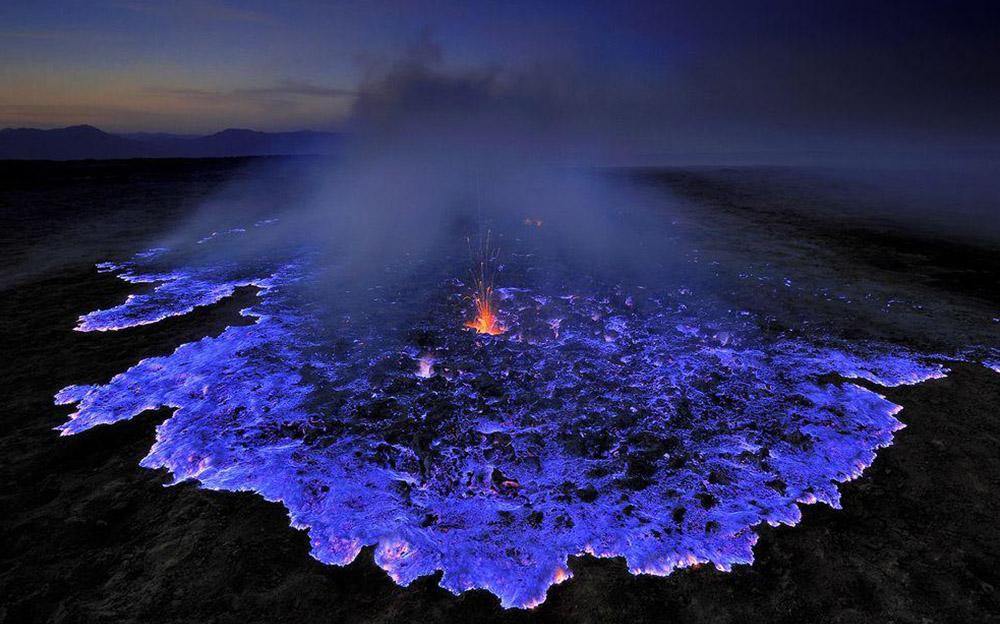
(486,321)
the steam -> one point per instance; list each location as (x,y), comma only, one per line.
(438,156)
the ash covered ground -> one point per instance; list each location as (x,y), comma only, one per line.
(656,423)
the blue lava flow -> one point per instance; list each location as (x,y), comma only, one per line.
(646,425)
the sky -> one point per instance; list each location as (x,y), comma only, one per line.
(650,76)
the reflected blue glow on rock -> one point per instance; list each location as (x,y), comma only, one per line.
(644,425)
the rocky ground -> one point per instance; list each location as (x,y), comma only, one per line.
(89,536)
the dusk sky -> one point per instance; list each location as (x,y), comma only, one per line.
(663,75)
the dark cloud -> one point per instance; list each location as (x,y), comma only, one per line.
(638,78)
(736,77)
(558,111)
(921,71)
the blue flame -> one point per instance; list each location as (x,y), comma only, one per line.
(654,428)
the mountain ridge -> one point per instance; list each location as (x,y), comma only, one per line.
(86,142)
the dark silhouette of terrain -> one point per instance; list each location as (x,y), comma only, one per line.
(88,142)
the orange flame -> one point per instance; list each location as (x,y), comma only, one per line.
(486,321)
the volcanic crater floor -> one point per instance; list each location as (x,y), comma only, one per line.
(95,538)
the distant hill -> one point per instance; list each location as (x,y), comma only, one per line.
(80,142)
